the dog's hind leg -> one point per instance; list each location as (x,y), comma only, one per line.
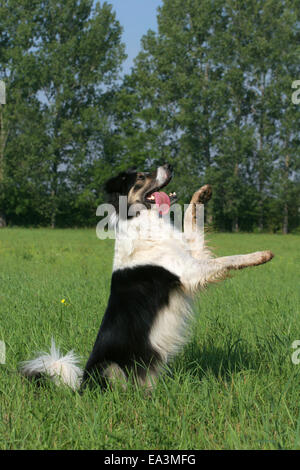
(115,375)
(194,223)
(106,375)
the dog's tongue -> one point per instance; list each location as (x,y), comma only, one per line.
(162,202)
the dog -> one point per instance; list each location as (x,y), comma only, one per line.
(156,273)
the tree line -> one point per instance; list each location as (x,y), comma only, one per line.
(210,92)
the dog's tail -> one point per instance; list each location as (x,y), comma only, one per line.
(61,369)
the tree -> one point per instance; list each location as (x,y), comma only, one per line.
(286,168)
(3,137)
(17,63)
(175,95)
(273,56)
(208,93)
(62,60)
(80,56)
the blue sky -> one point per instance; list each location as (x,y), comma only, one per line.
(136,17)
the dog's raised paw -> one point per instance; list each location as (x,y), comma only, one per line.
(268,255)
(203,195)
(262,257)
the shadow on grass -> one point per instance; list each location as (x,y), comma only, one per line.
(221,361)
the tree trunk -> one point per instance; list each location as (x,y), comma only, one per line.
(235,222)
(261,213)
(235,225)
(261,175)
(206,113)
(2,143)
(54,185)
(53,211)
(2,221)
(285,225)
(3,137)
(210,218)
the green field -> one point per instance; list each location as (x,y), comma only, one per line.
(234,385)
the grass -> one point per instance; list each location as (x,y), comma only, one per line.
(234,385)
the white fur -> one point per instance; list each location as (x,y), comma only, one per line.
(148,239)
(61,369)
(171,329)
(161,176)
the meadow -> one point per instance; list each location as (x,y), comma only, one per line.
(234,386)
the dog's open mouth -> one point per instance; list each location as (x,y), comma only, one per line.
(155,195)
(161,200)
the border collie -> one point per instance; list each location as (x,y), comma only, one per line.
(156,273)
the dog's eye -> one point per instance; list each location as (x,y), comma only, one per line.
(141,177)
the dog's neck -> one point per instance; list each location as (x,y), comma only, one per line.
(147,225)
(140,235)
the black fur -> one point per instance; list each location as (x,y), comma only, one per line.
(121,183)
(137,295)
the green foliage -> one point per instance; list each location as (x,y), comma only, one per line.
(210,92)
(60,62)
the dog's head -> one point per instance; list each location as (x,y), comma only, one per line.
(141,188)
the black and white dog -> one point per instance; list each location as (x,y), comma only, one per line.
(156,272)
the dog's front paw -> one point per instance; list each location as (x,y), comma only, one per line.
(203,195)
(260,257)
(266,256)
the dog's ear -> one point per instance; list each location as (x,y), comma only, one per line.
(119,184)
(114,185)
